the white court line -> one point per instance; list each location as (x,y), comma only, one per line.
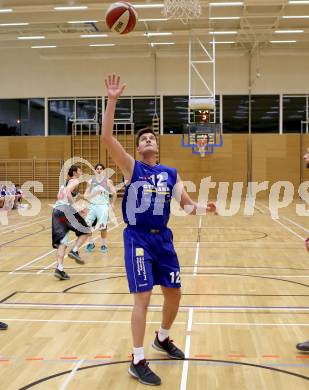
(78,306)
(3,228)
(182,275)
(285,226)
(152,322)
(23,227)
(245,324)
(70,377)
(185,367)
(84,321)
(290,230)
(197,249)
(184,376)
(44,255)
(296,224)
(32,261)
(259,209)
(53,263)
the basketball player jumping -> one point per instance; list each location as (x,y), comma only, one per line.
(150,257)
(65,218)
(97,193)
(304,347)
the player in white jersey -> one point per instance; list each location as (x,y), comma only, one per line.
(66,218)
(98,191)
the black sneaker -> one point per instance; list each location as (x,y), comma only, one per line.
(304,347)
(3,326)
(143,373)
(76,257)
(169,347)
(61,275)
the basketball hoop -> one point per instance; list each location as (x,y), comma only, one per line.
(202,144)
(182,9)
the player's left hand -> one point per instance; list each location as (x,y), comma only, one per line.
(212,208)
(114,86)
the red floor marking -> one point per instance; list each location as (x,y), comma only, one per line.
(69,358)
(271,356)
(302,357)
(35,358)
(4,360)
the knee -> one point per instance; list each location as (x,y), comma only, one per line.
(173,295)
(142,300)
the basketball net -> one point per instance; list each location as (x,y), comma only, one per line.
(182,9)
(202,144)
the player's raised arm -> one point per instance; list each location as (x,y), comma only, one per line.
(122,159)
(188,204)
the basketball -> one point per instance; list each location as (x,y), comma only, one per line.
(121,17)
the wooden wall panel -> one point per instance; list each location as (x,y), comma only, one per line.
(35,147)
(304,147)
(276,158)
(227,164)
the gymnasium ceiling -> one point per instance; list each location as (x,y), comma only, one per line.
(255,24)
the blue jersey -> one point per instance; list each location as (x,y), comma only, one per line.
(146,202)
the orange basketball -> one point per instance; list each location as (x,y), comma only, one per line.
(121,17)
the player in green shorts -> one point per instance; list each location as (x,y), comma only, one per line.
(98,191)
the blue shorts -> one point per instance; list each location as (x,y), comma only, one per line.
(150,259)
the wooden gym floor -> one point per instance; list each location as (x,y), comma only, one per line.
(244,307)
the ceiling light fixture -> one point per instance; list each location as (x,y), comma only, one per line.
(158,5)
(227,4)
(71,8)
(154,34)
(223,32)
(43,47)
(102,44)
(13,24)
(224,18)
(282,41)
(289,31)
(82,21)
(93,35)
(32,37)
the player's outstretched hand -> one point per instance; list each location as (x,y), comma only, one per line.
(212,208)
(114,87)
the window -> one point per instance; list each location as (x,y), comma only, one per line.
(144,110)
(61,113)
(235,114)
(175,113)
(294,111)
(265,113)
(123,109)
(22,117)
(86,109)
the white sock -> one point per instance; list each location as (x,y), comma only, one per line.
(60,267)
(104,241)
(75,249)
(90,241)
(163,334)
(138,354)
